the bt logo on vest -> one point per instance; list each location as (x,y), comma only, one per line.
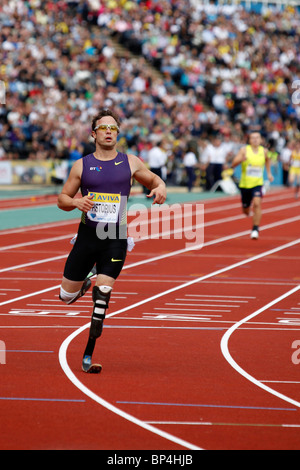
(97,168)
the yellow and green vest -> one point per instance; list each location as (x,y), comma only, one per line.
(253,168)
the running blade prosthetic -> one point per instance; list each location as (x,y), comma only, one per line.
(90,368)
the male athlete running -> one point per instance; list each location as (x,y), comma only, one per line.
(253,159)
(104,178)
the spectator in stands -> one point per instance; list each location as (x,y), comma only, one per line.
(190,163)
(157,159)
(215,158)
(60,66)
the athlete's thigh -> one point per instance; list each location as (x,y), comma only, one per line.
(292,177)
(111,257)
(257,197)
(70,286)
(256,202)
(246,197)
(82,256)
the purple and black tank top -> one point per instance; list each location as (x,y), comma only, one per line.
(109,181)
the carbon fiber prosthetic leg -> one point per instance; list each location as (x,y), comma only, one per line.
(101,296)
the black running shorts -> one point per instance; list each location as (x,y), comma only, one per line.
(249,194)
(108,255)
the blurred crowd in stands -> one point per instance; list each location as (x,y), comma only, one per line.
(190,77)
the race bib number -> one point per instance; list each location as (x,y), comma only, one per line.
(254,171)
(296,163)
(106,207)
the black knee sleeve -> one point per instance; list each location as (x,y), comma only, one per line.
(101,296)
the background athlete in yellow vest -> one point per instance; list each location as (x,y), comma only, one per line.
(253,159)
(294,170)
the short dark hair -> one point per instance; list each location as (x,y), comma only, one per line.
(105,112)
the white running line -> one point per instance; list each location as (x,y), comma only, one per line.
(64,346)
(232,362)
(212,242)
(167,255)
(155,258)
(274,196)
(32,228)
(63,349)
(280,381)
(36,242)
(109,406)
(223,296)
(202,225)
(212,299)
(204,423)
(33,263)
(162,234)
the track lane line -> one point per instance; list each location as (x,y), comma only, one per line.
(71,376)
(64,346)
(138,263)
(166,255)
(154,220)
(150,261)
(239,369)
(125,414)
(36,242)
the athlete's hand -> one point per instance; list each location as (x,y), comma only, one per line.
(85,203)
(159,193)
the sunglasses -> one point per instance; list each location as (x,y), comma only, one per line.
(104,127)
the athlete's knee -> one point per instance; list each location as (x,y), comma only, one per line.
(256,204)
(246,210)
(67,297)
(101,296)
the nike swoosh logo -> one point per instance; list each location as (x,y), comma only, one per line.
(118,163)
(115,260)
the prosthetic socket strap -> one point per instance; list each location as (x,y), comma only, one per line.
(101,296)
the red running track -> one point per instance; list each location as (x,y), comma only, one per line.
(201,348)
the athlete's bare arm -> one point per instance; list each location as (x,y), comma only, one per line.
(67,200)
(239,158)
(153,182)
(268,166)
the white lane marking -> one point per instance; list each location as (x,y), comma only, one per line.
(202,225)
(212,242)
(149,260)
(233,363)
(166,255)
(161,234)
(36,242)
(106,404)
(64,346)
(275,196)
